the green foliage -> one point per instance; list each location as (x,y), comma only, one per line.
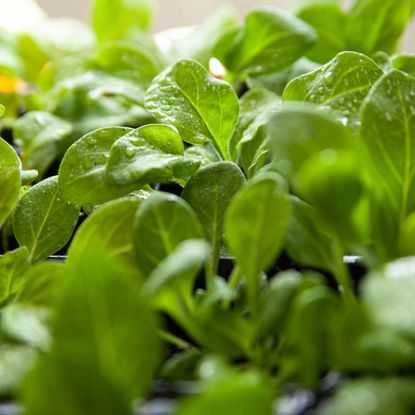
(44,220)
(200,107)
(120,19)
(239,195)
(161,223)
(10,169)
(89,366)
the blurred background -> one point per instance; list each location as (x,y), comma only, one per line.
(173,13)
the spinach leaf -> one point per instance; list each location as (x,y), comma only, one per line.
(200,107)
(101,325)
(325,18)
(388,21)
(341,85)
(41,283)
(170,286)
(39,136)
(256,106)
(111,226)
(388,133)
(255,228)
(270,40)
(209,192)
(15,362)
(388,395)
(305,348)
(150,154)
(387,293)
(10,168)
(27,324)
(127,60)
(120,19)
(233,393)
(44,220)
(276,303)
(12,266)
(299,131)
(306,243)
(161,223)
(82,176)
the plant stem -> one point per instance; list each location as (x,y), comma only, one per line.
(234,280)
(174,340)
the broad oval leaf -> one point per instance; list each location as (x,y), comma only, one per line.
(44,220)
(326,18)
(388,133)
(298,132)
(41,283)
(12,265)
(118,19)
(341,85)
(127,60)
(388,294)
(161,223)
(209,192)
(256,106)
(39,135)
(111,225)
(201,107)
(306,243)
(105,343)
(255,227)
(270,40)
(150,154)
(10,170)
(377,25)
(82,171)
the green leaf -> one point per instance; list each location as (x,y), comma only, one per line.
(127,60)
(15,362)
(332,183)
(405,63)
(41,283)
(235,393)
(342,84)
(105,348)
(305,349)
(170,286)
(276,302)
(306,243)
(110,225)
(209,192)
(255,228)
(371,396)
(388,133)
(297,132)
(256,106)
(161,223)
(200,107)
(151,154)
(388,294)
(12,265)
(10,168)
(91,100)
(44,220)
(270,40)
(82,175)
(27,324)
(120,19)
(39,134)
(325,18)
(377,25)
